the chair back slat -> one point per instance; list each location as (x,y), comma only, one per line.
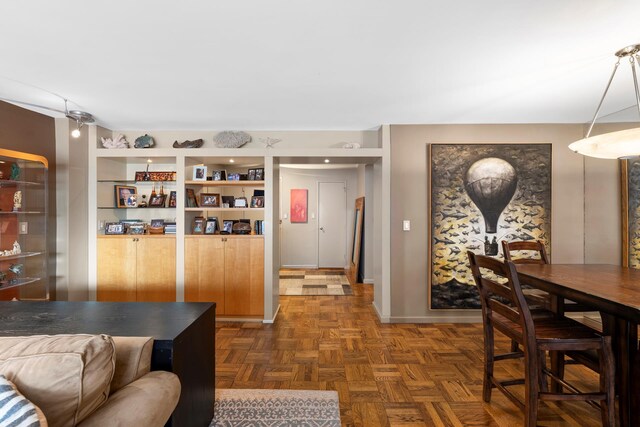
(530,246)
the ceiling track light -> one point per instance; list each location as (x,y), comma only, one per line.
(622,144)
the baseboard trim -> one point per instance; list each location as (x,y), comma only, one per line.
(475,318)
(368,281)
(273,320)
(380,316)
(306,267)
(238,319)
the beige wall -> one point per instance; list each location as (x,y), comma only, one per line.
(409,200)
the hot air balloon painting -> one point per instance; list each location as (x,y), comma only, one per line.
(631,213)
(481,194)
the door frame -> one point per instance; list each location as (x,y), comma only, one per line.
(346,224)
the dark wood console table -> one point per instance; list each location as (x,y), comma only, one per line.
(184,336)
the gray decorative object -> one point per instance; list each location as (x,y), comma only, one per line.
(229,139)
(196,143)
(17,269)
(351,145)
(144,141)
(269,142)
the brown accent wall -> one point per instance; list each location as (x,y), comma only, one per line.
(31,132)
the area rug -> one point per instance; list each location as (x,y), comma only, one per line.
(314,282)
(276,408)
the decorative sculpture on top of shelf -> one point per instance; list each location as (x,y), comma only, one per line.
(15,171)
(17,201)
(351,145)
(196,143)
(229,139)
(18,269)
(144,141)
(118,142)
(269,142)
(15,251)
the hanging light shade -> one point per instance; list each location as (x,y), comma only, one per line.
(614,145)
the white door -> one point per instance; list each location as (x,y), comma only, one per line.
(332,224)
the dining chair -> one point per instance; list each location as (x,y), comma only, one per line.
(505,309)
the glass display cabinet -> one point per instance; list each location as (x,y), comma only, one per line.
(23,226)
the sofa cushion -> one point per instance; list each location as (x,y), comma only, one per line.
(133,360)
(67,376)
(16,410)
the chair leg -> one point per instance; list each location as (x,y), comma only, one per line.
(514,346)
(487,383)
(557,367)
(531,390)
(543,382)
(607,383)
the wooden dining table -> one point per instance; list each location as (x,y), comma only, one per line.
(614,291)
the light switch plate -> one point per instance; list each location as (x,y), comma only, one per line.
(24,227)
(286,216)
(406,225)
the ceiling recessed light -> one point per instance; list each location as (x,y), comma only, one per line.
(231,161)
(149,161)
(326,160)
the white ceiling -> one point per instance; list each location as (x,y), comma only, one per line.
(330,64)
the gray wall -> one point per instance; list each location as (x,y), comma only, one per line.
(299,242)
(585,206)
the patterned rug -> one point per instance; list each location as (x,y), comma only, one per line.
(276,408)
(314,282)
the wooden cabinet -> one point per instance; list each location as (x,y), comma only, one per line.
(137,268)
(227,270)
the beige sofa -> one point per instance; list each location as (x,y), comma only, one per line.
(90,380)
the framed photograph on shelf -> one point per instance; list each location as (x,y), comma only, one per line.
(211,200)
(191,200)
(172,199)
(227,201)
(259,174)
(126,196)
(211,226)
(135,229)
(157,201)
(257,202)
(114,228)
(240,202)
(227,227)
(219,175)
(197,226)
(199,173)
(251,174)
(233,177)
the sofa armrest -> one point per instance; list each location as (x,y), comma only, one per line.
(148,401)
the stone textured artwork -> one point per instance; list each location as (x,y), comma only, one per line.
(229,139)
(480,195)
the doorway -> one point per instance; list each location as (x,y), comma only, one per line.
(332,224)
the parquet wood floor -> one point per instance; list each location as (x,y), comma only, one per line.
(385,375)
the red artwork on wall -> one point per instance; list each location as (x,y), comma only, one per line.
(299,205)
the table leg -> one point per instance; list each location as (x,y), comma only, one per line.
(634,360)
(623,371)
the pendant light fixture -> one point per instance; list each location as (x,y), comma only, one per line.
(622,144)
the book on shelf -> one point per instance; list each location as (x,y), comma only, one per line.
(169,227)
(258,226)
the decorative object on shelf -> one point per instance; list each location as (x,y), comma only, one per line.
(233,177)
(199,173)
(143,203)
(227,201)
(156,226)
(251,175)
(1,175)
(197,226)
(210,200)
(220,175)
(240,202)
(172,199)
(118,142)
(211,226)
(269,142)
(136,228)
(17,201)
(126,196)
(351,145)
(257,202)
(229,139)
(3,278)
(259,174)
(227,227)
(298,205)
(622,144)
(241,228)
(144,141)
(196,143)
(155,176)
(191,201)
(114,228)
(17,269)
(15,172)
(15,251)
(157,201)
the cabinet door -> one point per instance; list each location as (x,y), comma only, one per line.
(116,268)
(204,270)
(244,276)
(156,273)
